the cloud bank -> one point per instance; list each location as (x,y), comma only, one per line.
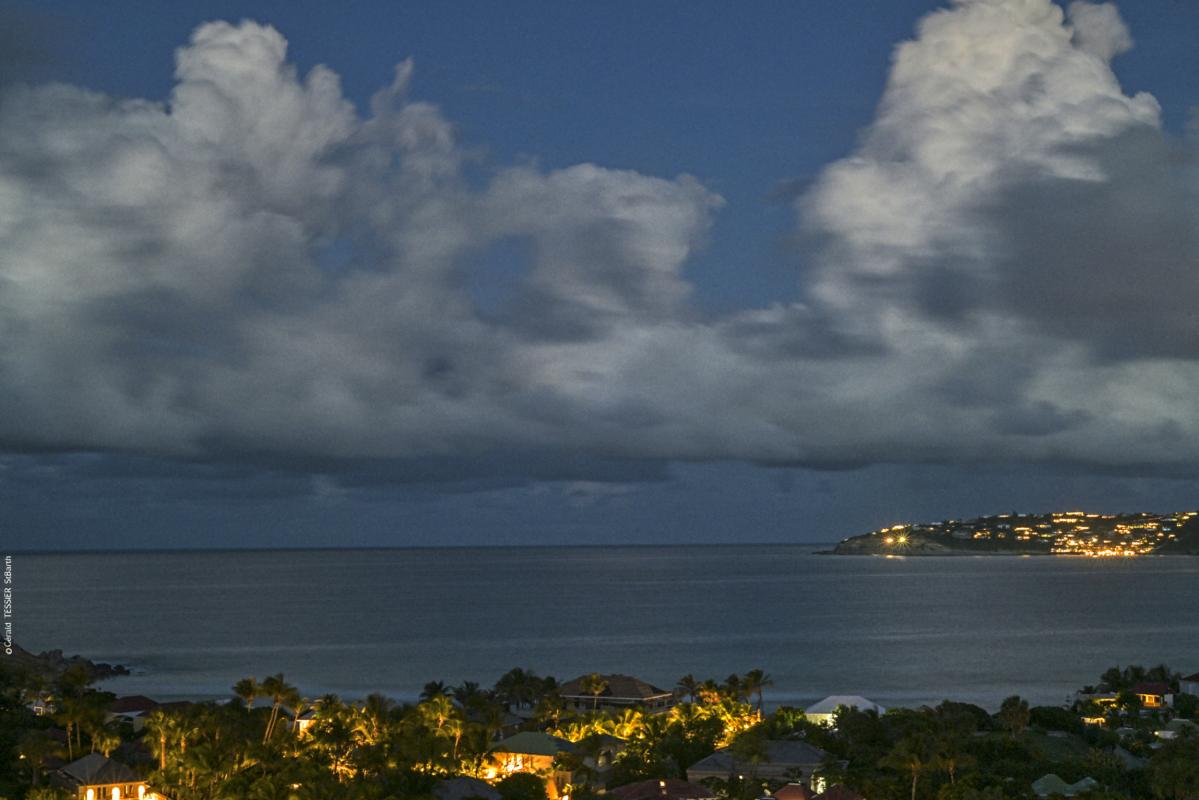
(1005,269)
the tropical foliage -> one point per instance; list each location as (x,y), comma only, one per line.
(376,748)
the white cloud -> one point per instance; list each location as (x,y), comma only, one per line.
(166,283)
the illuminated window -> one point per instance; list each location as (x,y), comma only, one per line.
(116,793)
(91,794)
(141,792)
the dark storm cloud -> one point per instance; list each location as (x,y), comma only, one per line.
(1111,262)
(255,271)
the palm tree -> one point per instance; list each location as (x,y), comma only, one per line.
(298,707)
(689,686)
(754,681)
(454,728)
(467,693)
(93,711)
(105,741)
(374,714)
(625,725)
(549,709)
(518,687)
(911,754)
(433,689)
(160,728)
(594,685)
(1014,715)
(279,691)
(950,756)
(70,709)
(437,710)
(733,687)
(248,690)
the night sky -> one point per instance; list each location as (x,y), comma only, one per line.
(299,274)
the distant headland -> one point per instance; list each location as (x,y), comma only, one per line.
(1061,533)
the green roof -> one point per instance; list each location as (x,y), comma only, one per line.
(532,743)
(1048,785)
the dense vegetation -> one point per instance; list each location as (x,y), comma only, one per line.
(378,749)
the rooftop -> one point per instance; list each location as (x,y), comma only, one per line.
(97,770)
(625,687)
(532,743)
(794,791)
(831,703)
(668,789)
(778,751)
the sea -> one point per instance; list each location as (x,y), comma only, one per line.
(900,631)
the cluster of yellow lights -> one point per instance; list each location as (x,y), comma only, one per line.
(1070,533)
(142,794)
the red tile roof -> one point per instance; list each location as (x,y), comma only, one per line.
(794,791)
(1151,687)
(839,792)
(670,789)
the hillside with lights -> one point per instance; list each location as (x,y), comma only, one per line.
(1069,533)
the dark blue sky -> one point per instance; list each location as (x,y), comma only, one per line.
(756,102)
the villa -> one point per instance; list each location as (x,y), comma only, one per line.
(300,724)
(95,777)
(1177,727)
(619,692)
(785,760)
(533,752)
(824,712)
(1153,694)
(1189,685)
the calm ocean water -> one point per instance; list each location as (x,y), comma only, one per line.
(900,631)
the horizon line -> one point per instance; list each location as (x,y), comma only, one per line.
(326,548)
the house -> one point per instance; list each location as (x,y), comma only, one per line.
(303,722)
(465,789)
(667,789)
(1126,759)
(1153,694)
(785,760)
(1177,727)
(619,692)
(95,777)
(132,709)
(1189,685)
(839,792)
(1050,785)
(531,751)
(793,791)
(823,713)
(42,704)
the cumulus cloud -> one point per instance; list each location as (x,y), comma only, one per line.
(257,269)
